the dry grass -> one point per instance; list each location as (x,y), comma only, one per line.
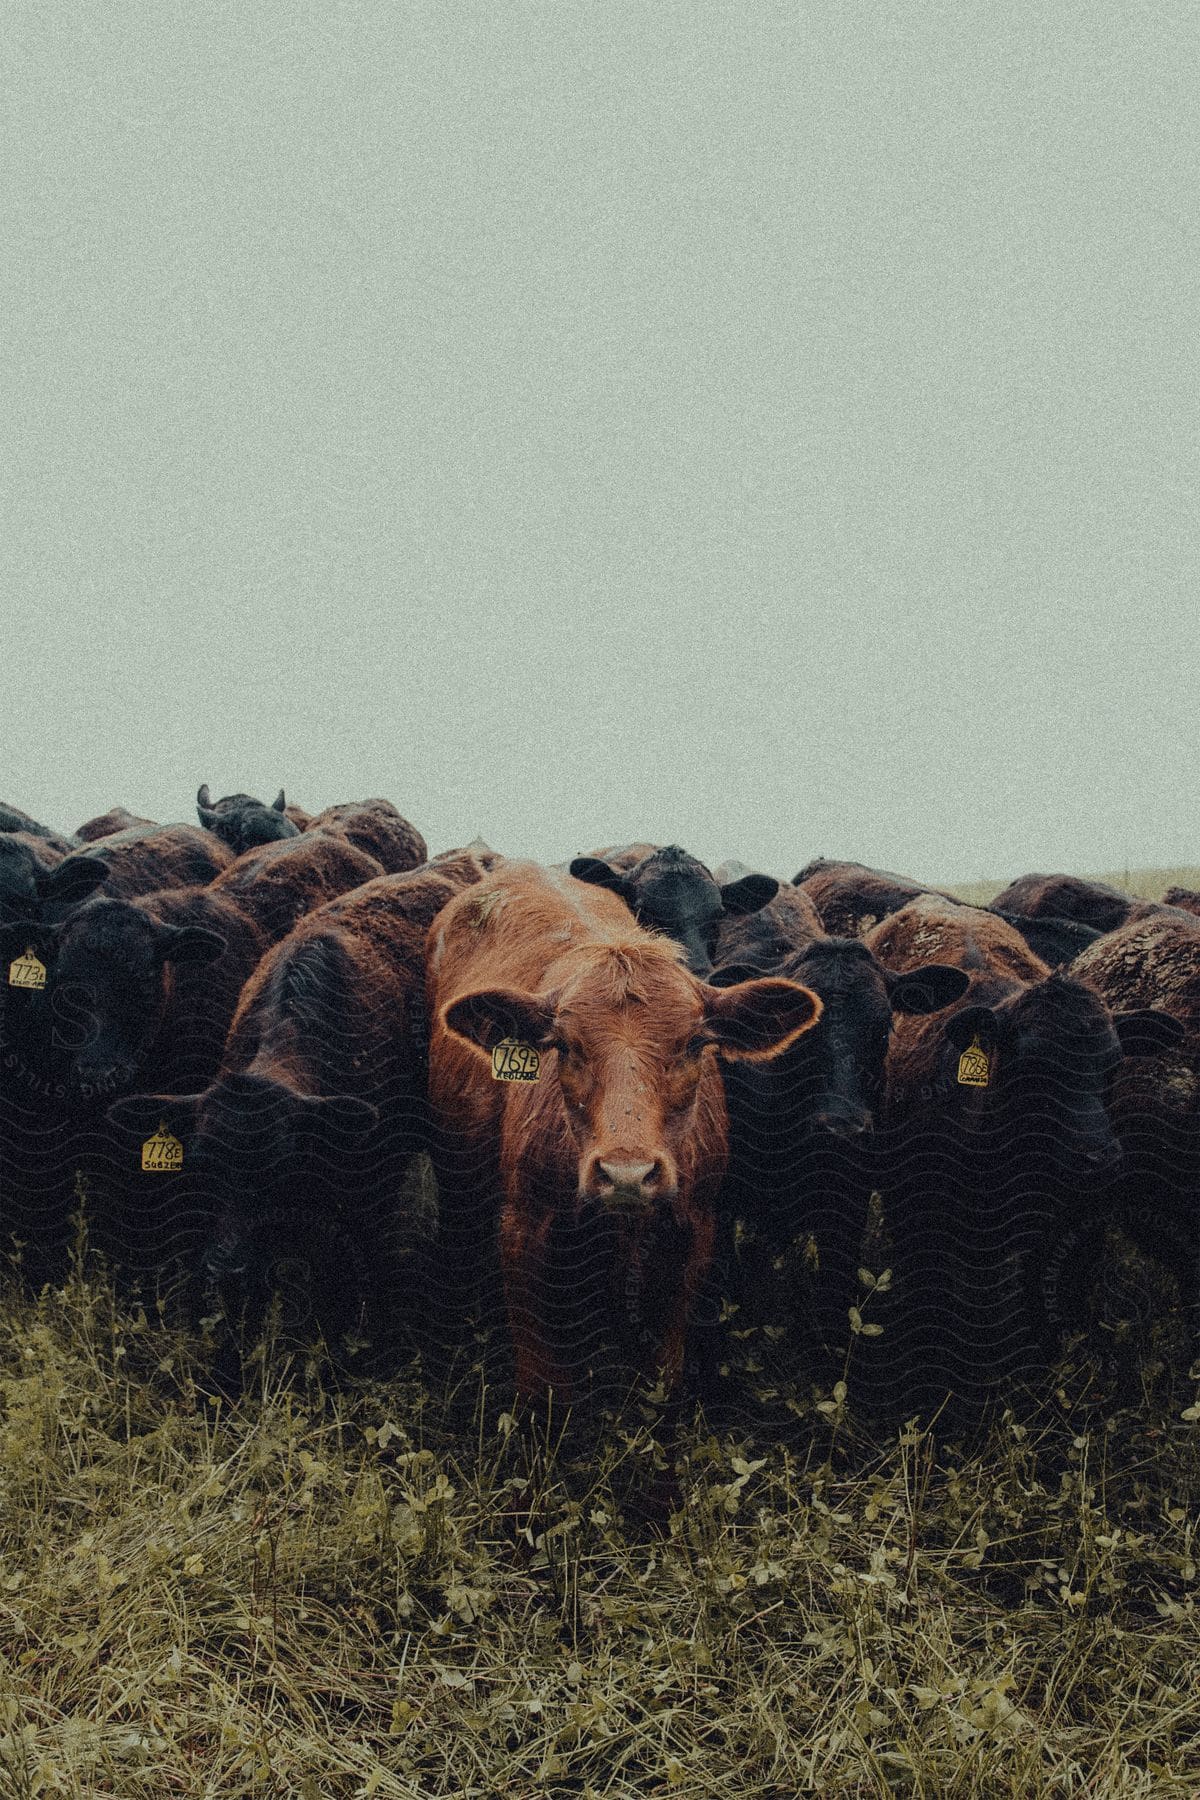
(331,1594)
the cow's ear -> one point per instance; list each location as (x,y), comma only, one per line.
(731,974)
(205,811)
(345,1114)
(15,937)
(189,943)
(72,880)
(749,895)
(1147,1031)
(140,1115)
(759,1018)
(962,1028)
(486,1018)
(595,870)
(926,990)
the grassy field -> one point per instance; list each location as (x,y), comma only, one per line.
(333,1591)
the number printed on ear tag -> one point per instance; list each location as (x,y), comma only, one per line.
(973,1065)
(514,1061)
(162,1154)
(26,971)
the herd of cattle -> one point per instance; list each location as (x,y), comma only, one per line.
(641,1088)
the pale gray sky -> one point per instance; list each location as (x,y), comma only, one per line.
(765,427)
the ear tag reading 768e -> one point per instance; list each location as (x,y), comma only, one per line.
(26,971)
(513,1061)
(162,1154)
(973,1065)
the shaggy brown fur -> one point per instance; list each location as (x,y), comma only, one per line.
(374,826)
(851,898)
(146,858)
(1092,903)
(627,1078)
(277,884)
(117,818)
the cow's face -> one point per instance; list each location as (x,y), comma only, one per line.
(107,989)
(28,887)
(632,1040)
(241,821)
(672,893)
(834,1075)
(1051,1050)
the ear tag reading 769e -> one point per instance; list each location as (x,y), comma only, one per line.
(973,1065)
(513,1061)
(162,1154)
(26,971)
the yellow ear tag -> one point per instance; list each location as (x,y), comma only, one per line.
(26,971)
(973,1065)
(162,1154)
(513,1061)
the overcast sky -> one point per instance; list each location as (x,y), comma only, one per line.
(766,427)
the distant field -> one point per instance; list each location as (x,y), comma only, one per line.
(1147,884)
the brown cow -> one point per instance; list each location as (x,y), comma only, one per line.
(13,819)
(117,818)
(277,884)
(1187,899)
(851,898)
(303,1141)
(146,858)
(1091,903)
(375,827)
(603,1167)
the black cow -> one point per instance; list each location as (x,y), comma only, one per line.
(993,1109)
(671,892)
(800,1125)
(241,821)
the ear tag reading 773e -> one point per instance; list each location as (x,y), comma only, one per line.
(25,971)
(162,1154)
(513,1061)
(973,1065)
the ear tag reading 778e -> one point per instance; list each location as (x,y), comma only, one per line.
(25,971)
(513,1061)
(973,1065)
(162,1154)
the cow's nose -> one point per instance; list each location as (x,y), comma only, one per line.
(627,1184)
(845,1124)
(634,1176)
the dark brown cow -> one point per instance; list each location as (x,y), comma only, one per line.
(604,1169)
(31,887)
(668,890)
(277,884)
(375,827)
(1147,970)
(13,819)
(1091,903)
(852,898)
(992,1106)
(117,818)
(146,858)
(1187,899)
(302,1144)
